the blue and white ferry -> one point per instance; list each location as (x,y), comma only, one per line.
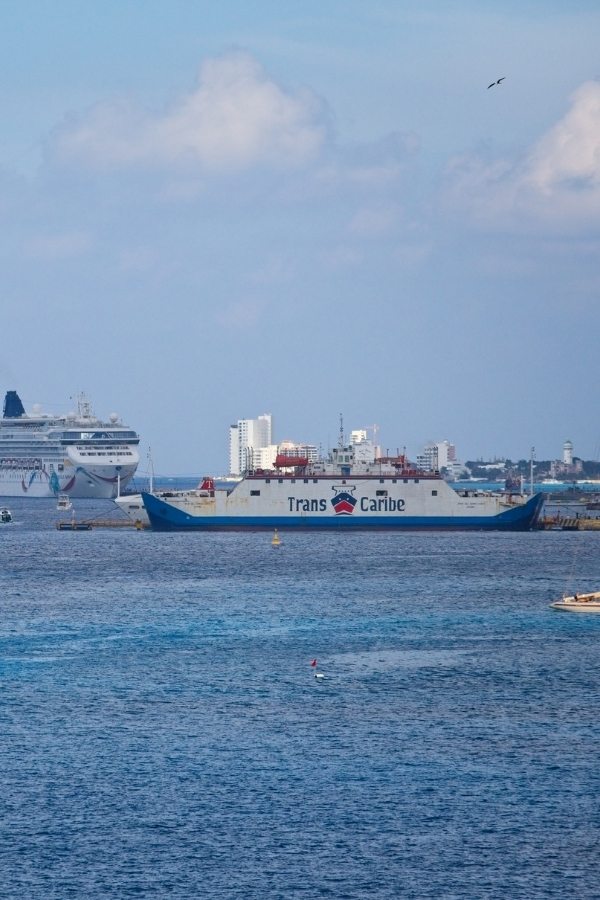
(352,489)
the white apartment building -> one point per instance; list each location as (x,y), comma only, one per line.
(437,455)
(307,451)
(266,456)
(440,455)
(246,440)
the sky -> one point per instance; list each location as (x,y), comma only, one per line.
(213,211)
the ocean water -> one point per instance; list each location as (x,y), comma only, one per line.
(162,733)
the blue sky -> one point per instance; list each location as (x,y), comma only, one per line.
(213,211)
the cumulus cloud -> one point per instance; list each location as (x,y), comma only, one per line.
(568,156)
(54,247)
(372,166)
(556,183)
(235,118)
(243,313)
(373,222)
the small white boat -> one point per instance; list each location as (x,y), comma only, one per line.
(63,502)
(579,603)
(5,515)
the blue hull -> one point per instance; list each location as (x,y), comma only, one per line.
(164,517)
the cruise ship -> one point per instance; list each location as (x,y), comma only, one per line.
(43,455)
(351,489)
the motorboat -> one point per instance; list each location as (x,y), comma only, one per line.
(579,603)
(63,502)
(5,515)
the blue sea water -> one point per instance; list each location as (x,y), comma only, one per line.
(162,733)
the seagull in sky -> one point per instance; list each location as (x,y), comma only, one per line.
(500,80)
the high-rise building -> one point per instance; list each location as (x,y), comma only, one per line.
(438,455)
(246,439)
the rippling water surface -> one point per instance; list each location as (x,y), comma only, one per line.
(163,735)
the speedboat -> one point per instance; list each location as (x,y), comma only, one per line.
(63,502)
(5,515)
(579,603)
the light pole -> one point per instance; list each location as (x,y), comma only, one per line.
(531,468)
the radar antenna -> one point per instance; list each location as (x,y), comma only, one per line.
(341,437)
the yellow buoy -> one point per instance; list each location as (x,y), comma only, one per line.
(276,542)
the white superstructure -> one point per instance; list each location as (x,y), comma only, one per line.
(43,455)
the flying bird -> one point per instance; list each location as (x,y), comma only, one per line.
(500,80)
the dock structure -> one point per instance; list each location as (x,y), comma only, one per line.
(569,523)
(89,524)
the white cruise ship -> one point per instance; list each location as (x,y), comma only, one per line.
(42,455)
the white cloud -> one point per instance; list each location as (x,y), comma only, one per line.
(373,222)
(555,185)
(53,247)
(373,166)
(242,313)
(568,156)
(235,118)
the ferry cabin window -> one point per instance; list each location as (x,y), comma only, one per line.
(267,481)
(434,493)
(305,480)
(280,480)
(315,480)
(381,493)
(381,481)
(255,493)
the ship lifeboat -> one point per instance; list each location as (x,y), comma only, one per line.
(286,461)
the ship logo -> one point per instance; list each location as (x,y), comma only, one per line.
(343,502)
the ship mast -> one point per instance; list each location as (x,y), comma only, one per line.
(341,437)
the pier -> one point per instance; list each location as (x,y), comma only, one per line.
(569,523)
(89,524)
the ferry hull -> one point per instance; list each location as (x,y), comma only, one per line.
(169,516)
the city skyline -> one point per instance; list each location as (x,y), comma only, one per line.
(254,443)
(307,210)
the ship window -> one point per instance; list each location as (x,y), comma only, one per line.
(267,481)
(305,480)
(416,480)
(381,481)
(315,480)
(381,493)
(405,480)
(293,481)
(60,467)
(434,493)
(255,493)
(280,480)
